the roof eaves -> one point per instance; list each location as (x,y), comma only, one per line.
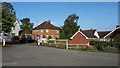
(111,32)
(81,33)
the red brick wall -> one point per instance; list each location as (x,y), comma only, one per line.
(77,39)
(49,33)
(61,42)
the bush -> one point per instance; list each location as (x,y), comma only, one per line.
(16,37)
(93,42)
(106,46)
(111,49)
(49,37)
(23,36)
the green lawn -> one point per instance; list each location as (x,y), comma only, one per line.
(63,47)
(32,43)
(93,51)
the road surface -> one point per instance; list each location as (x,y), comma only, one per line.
(31,55)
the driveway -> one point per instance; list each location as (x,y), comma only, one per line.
(31,55)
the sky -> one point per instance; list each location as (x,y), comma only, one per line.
(102,16)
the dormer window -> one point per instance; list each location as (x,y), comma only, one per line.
(47,30)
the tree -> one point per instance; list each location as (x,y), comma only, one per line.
(0,17)
(26,25)
(117,38)
(8,17)
(70,26)
(117,41)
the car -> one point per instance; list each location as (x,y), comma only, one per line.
(27,40)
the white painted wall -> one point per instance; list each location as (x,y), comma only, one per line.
(16,29)
(96,34)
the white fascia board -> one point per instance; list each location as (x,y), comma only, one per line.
(81,33)
(110,32)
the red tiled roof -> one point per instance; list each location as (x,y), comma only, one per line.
(46,25)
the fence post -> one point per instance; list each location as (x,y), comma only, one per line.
(56,44)
(67,44)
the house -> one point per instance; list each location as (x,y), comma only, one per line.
(16,28)
(92,34)
(79,38)
(111,35)
(46,29)
(108,35)
(102,34)
(83,37)
(9,37)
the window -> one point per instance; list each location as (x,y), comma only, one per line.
(13,28)
(56,31)
(47,36)
(103,39)
(47,30)
(41,30)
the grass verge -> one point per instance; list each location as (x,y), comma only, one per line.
(63,47)
(93,51)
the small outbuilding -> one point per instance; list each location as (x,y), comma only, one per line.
(79,39)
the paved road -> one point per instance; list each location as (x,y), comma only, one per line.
(30,55)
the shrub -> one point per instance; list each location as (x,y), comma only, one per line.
(43,36)
(23,35)
(49,37)
(111,49)
(93,42)
(16,37)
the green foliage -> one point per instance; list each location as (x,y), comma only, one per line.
(56,38)
(0,27)
(93,42)
(23,35)
(0,13)
(70,26)
(26,25)
(49,37)
(16,37)
(8,17)
(117,38)
(103,45)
